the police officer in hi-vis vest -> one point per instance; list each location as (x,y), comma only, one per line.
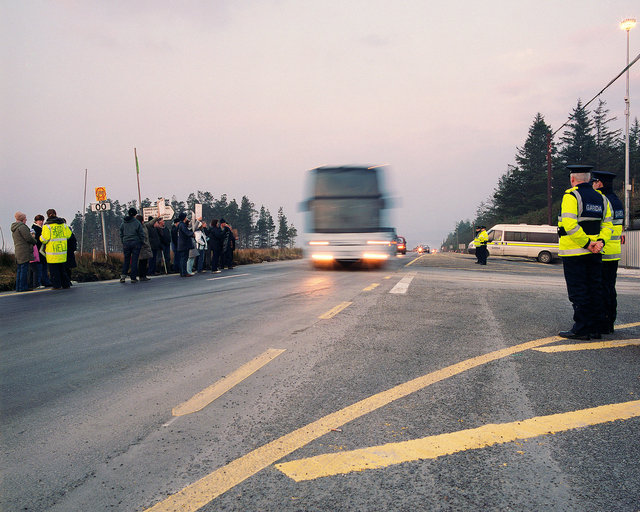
(585,226)
(612,251)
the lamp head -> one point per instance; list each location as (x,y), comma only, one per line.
(628,24)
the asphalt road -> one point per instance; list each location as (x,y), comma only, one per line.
(422,386)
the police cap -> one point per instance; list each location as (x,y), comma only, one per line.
(579,168)
(603,176)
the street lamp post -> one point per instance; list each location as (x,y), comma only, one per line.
(627,25)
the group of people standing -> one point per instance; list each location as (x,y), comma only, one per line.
(147,246)
(45,253)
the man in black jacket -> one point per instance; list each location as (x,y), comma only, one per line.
(156,248)
(185,243)
(42,272)
(165,244)
(215,246)
(174,245)
(132,238)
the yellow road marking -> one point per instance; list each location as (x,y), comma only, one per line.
(208,395)
(596,345)
(334,311)
(198,494)
(201,492)
(371,287)
(387,277)
(445,444)
(414,260)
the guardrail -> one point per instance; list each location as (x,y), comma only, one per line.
(631,249)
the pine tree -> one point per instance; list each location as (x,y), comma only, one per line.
(262,230)
(578,141)
(271,230)
(245,222)
(220,207)
(282,238)
(609,148)
(532,166)
(232,215)
(291,235)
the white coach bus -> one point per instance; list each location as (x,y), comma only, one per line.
(346,217)
(527,240)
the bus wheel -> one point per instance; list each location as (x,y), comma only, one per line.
(545,257)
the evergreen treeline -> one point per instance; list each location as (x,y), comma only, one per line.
(256,228)
(521,193)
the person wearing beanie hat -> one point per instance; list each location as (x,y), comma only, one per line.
(132,238)
(602,181)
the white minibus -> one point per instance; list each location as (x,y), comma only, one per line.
(527,240)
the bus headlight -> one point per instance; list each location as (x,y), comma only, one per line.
(322,257)
(374,256)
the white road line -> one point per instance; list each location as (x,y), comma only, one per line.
(403,285)
(226,277)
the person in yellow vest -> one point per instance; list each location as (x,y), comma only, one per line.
(612,252)
(55,234)
(585,226)
(480,241)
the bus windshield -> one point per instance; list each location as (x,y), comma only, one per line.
(352,183)
(353,215)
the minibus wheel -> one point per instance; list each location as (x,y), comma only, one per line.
(545,257)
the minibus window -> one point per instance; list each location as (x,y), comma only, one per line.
(515,236)
(494,236)
(548,238)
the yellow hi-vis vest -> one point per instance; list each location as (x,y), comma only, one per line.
(575,212)
(55,237)
(481,238)
(613,250)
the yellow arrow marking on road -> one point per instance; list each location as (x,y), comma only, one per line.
(371,287)
(208,395)
(596,345)
(445,444)
(334,311)
(201,492)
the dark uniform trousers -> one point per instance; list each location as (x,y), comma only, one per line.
(482,252)
(583,275)
(609,295)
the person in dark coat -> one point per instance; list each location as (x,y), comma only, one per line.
(43,275)
(132,237)
(174,244)
(72,247)
(228,244)
(185,243)
(156,248)
(145,252)
(164,234)
(215,246)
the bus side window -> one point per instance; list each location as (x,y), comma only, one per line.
(494,236)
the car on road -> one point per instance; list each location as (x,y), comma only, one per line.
(401,245)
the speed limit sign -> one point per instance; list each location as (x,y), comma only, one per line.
(101,207)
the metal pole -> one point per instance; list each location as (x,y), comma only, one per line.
(104,234)
(626,147)
(549,179)
(138,179)
(84,212)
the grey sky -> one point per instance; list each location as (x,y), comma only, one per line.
(243,97)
